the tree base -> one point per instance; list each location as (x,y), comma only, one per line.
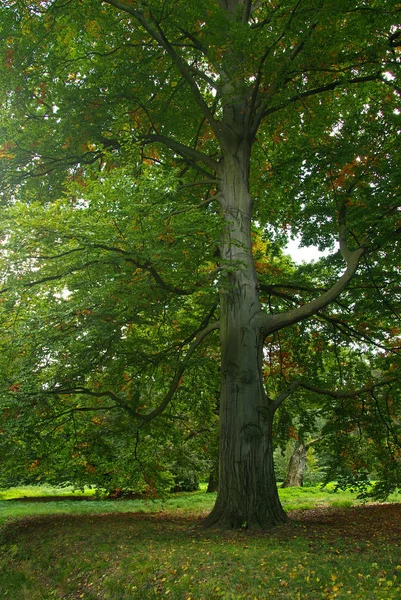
(228,518)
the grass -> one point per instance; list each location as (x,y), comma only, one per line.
(43,491)
(117,550)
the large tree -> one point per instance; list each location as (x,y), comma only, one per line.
(162,135)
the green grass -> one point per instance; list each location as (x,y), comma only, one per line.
(141,550)
(43,491)
(185,503)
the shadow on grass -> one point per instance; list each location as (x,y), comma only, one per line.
(361,522)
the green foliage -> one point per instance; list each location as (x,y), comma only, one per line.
(114,298)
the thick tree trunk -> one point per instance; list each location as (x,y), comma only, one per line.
(247,495)
(296,467)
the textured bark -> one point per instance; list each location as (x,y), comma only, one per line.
(213,482)
(247,494)
(296,467)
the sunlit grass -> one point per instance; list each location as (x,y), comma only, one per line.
(196,503)
(36,491)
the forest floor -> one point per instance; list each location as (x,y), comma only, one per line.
(324,552)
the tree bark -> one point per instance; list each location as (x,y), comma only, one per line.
(297,464)
(213,482)
(296,467)
(247,495)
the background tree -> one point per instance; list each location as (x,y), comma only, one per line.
(222,115)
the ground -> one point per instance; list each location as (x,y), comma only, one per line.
(327,553)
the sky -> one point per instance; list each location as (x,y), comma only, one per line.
(306,253)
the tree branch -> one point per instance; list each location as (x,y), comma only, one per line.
(81,409)
(148,267)
(106,394)
(175,383)
(58,276)
(295,385)
(352,333)
(269,289)
(319,90)
(182,149)
(179,372)
(157,34)
(205,202)
(273,323)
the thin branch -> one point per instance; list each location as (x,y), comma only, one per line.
(81,409)
(194,39)
(148,267)
(106,394)
(271,291)
(58,276)
(180,371)
(175,383)
(200,205)
(314,441)
(207,182)
(351,332)
(319,90)
(380,293)
(202,326)
(56,256)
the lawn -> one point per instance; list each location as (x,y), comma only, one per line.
(138,550)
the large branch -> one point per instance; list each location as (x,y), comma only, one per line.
(181,149)
(336,394)
(273,323)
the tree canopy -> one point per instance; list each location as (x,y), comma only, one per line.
(155,157)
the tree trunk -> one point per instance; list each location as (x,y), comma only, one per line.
(296,467)
(213,482)
(247,495)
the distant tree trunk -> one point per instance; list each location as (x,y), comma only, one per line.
(213,483)
(296,467)
(297,464)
